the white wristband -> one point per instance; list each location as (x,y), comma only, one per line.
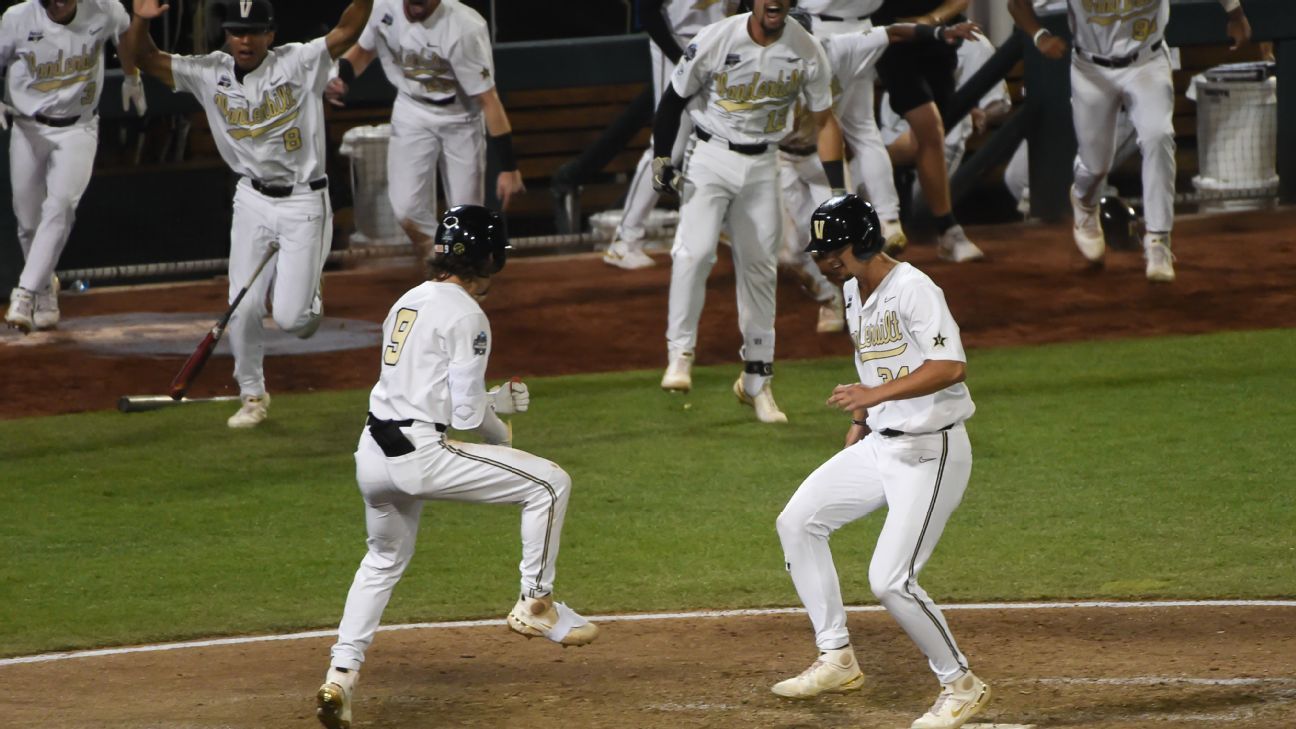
(1230,5)
(1045,31)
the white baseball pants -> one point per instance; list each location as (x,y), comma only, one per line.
(740,192)
(302,223)
(641,197)
(440,469)
(49,169)
(423,145)
(921,480)
(805,187)
(1146,88)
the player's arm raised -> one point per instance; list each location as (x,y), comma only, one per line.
(349,27)
(350,66)
(138,45)
(947,10)
(1239,28)
(951,34)
(499,137)
(1023,13)
(832,149)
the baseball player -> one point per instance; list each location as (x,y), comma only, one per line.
(266,112)
(52,54)
(741,79)
(437,54)
(1120,59)
(436,345)
(671,25)
(906,449)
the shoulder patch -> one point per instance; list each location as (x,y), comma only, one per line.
(691,51)
(479,344)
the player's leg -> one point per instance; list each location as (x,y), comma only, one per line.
(870,169)
(1095,101)
(304,228)
(413,154)
(803,183)
(28,157)
(845,488)
(757,225)
(626,250)
(1017,177)
(463,162)
(1149,96)
(251,233)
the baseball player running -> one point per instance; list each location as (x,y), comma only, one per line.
(1121,58)
(906,449)
(266,112)
(52,54)
(741,78)
(436,345)
(671,25)
(437,54)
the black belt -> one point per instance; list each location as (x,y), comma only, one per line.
(447,101)
(285,190)
(835,19)
(750,149)
(798,151)
(1116,62)
(56,121)
(890,433)
(386,433)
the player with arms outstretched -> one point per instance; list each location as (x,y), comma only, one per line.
(266,111)
(437,342)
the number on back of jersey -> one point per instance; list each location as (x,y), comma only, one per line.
(401,328)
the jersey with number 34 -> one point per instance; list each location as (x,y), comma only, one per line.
(904,323)
(270,125)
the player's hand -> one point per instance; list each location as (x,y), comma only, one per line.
(968,31)
(855,434)
(666,179)
(1239,29)
(150,9)
(335,92)
(978,117)
(1052,47)
(511,397)
(852,397)
(133,93)
(507,185)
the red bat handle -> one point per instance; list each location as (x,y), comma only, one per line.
(192,366)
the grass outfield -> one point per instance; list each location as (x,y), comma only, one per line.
(1152,468)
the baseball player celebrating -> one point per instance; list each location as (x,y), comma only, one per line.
(266,112)
(741,79)
(1121,58)
(671,24)
(906,449)
(437,54)
(52,53)
(436,345)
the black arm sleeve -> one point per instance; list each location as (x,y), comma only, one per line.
(667,122)
(654,21)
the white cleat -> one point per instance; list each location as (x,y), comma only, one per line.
(832,314)
(958,702)
(22,305)
(46,314)
(679,373)
(893,236)
(954,246)
(333,700)
(1160,261)
(1087,231)
(622,255)
(834,672)
(543,618)
(254,410)
(767,411)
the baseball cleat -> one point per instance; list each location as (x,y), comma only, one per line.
(254,410)
(679,373)
(834,672)
(46,314)
(832,315)
(894,238)
(1160,260)
(958,702)
(767,411)
(22,305)
(333,700)
(1087,230)
(954,246)
(539,618)
(621,255)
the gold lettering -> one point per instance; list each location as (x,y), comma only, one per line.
(244,121)
(757,91)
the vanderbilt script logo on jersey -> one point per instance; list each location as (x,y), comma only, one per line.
(756,92)
(432,72)
(277,108)
(1110,12)
(64,71)
(886,331)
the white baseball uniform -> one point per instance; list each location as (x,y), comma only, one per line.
(870,167)
(686,18)
(269,128)
(436,342)
(54,78)
(915,462)
(741,97)
(438,67)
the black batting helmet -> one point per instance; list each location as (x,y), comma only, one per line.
(845,220)
(470,239)
(1119,224)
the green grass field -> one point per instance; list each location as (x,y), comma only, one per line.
(1152,468)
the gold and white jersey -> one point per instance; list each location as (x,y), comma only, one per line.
(688,17)
(270,125)
(746,93)
(442,62)
(848,9)
(57,70)
(851,57)
(436,342)
(1117,28)
(904,323)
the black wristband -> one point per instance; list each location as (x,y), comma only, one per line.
(346,71)
(860,423)
(836,175)
(503,147)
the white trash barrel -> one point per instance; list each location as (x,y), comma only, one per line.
(375,222)
(1237,129)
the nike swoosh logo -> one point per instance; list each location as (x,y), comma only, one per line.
(924,460)
(883,353)
(889,298)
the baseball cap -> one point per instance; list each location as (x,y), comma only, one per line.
(255,15)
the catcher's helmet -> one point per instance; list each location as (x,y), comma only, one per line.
(471,235)
(845,220)
(1119,223)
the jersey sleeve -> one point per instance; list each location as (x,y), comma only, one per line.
(818,85)
(7,40)
(312,60)
(861,51)
(190,72)
(473,65)
(118,20)
(369,36)
(695,67)
(468,344)
(930,323)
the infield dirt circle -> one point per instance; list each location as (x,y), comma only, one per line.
(1202,666)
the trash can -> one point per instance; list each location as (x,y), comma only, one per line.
(375,222)
(1237,129)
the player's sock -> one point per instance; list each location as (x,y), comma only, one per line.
(945,222)
(754,376)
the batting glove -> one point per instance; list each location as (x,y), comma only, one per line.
(509,398)
(665,177)
(133,93)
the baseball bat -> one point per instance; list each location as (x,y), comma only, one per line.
(144,403)
(192,366)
